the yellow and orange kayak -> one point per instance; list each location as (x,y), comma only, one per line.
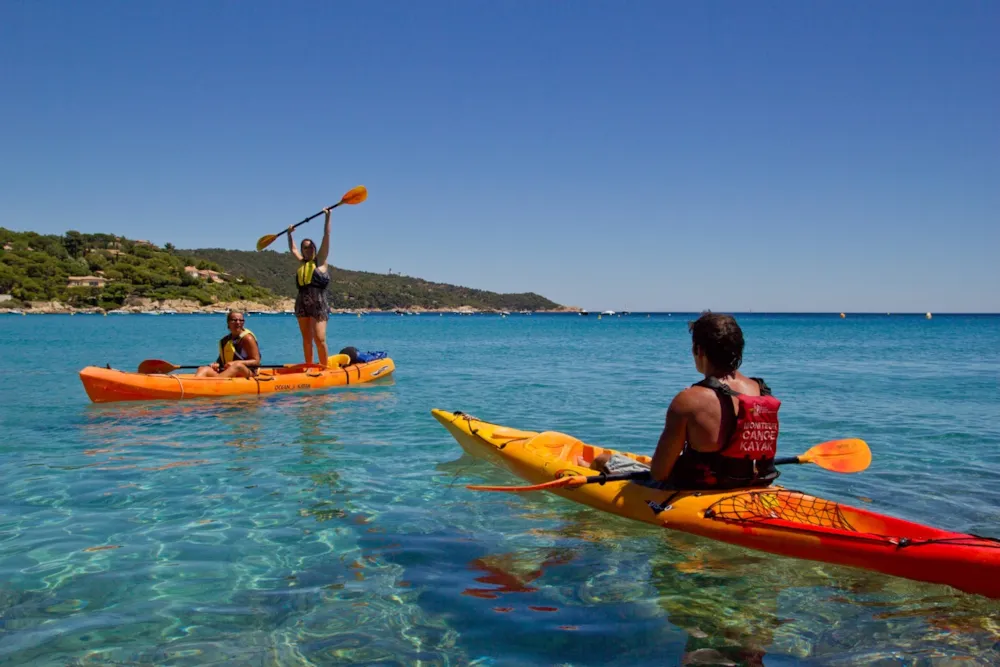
(105,385)
(773,519)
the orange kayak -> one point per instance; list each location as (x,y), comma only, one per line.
(773,519)
(105,385)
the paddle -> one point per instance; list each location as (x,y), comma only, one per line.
(353,196)
(844,456)
(158,366)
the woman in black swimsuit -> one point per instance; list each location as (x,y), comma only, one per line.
(312,279)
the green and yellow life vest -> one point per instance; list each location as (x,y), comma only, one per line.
(229,350)
(308,276)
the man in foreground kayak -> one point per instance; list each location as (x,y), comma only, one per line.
(721,432)
(239,355)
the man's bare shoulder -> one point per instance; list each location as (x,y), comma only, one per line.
(745,385)
(693,400)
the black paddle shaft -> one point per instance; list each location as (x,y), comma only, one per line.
(645,474)
(314,216)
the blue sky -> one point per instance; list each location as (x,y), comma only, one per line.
(813,156)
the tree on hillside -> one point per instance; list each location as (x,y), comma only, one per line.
(74,243)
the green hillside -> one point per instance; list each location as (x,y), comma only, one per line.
(108,270)
(103,270)
(359,289)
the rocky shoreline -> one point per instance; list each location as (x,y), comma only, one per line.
(137,306)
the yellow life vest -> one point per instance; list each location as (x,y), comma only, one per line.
(228,351)
(304,275)
(307,275)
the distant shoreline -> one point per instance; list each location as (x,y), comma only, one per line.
(251,308)
(261,309)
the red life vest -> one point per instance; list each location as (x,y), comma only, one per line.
(756,434)
(747,457)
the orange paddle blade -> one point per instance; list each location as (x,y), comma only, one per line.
(154,366)
(847,455)
(265,241)
(355,195)
(572,482)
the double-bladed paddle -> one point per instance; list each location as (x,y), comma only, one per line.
(158,366)
(353,196)
(845,456)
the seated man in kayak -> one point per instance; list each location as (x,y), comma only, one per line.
(721,432)
(239,355)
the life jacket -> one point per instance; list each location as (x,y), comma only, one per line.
(229,350)
(747,455)
(308,276)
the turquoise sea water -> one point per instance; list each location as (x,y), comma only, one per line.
(334,528)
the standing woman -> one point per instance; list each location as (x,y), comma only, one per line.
(312,279)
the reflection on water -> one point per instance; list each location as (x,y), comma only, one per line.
(511,573)
(128,431)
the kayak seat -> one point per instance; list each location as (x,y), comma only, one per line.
(558,446)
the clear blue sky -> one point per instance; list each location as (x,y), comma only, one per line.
(652,155)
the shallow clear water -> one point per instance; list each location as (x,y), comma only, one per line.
(335,528)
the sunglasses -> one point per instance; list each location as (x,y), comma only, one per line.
(231,321)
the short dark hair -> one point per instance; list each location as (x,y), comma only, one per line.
(720,339)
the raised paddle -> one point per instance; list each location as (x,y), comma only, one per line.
(353,196)
(158,366)
(845,456)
